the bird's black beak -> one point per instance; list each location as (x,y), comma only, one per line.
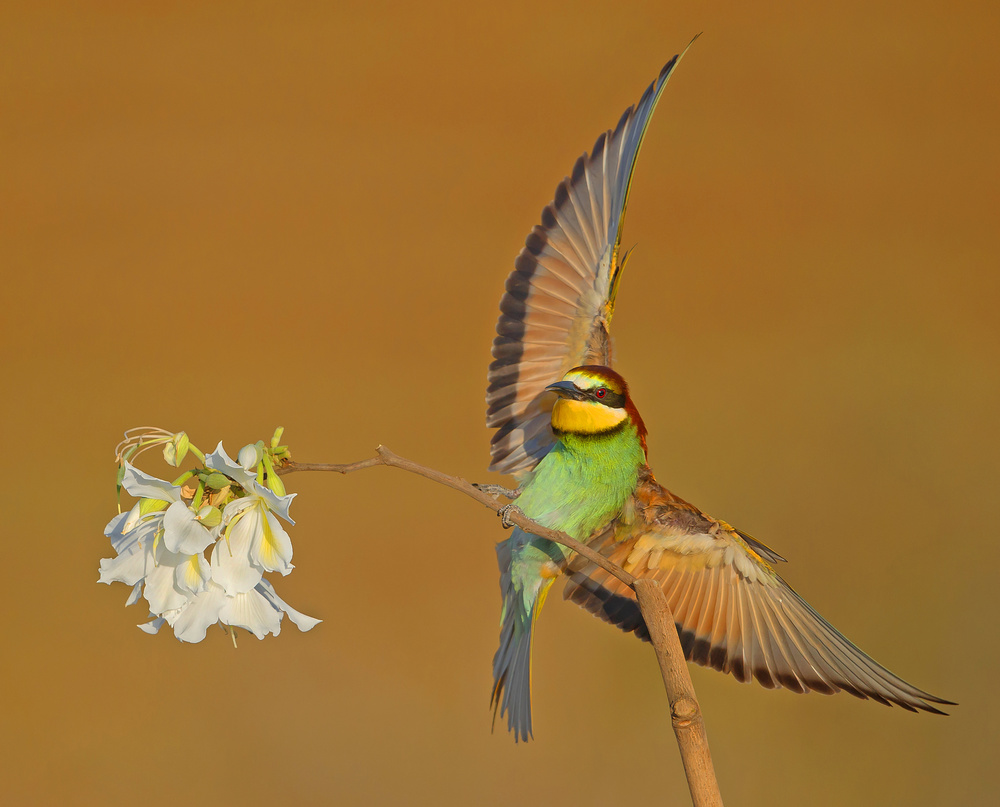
(566,389)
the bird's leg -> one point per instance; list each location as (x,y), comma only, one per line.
(505,513)
(499,490)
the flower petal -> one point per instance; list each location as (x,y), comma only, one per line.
(128,568)
(235,507)
(183,533)
(271,548)
(193,573)
(192,622)
(153,627)
(302,622)
(143,535)
(134,517)
(144,486)
(133,598)
(161,591)
(252,611)
(249,457)
(116,530)
(231,566)
(220,461)
(279,504)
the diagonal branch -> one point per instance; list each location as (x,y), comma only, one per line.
(686,717)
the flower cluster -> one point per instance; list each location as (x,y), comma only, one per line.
(227,508)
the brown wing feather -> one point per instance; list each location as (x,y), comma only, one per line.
(560,297)
(733,612)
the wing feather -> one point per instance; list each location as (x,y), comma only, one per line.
(560,297)
(733,611)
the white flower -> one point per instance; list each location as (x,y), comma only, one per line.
(129,566)
(160,545)
(167,579)
(259,611)
(253,540)
(182,531)
(246,477)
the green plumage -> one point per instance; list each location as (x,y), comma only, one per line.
(584,481)
(579,487)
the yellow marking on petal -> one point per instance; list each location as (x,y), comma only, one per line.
(192,571)
(268,546)
(147,506)
(585,417)
(232,524)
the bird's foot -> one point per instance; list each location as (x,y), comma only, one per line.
(505,513)
(499,490)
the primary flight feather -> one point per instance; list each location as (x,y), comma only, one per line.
(568,431)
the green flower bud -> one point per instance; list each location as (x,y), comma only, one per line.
(176,449)
(210,516)
(273,480)
(217,481)
(250,456)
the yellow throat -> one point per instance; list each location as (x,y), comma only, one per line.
(585,417)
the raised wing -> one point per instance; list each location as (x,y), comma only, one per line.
(733,612)
(560,297)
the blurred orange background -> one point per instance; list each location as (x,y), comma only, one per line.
(223,219)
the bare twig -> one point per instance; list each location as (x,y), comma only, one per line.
(386,457)
(686,718)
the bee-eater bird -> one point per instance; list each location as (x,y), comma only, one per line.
(568,431)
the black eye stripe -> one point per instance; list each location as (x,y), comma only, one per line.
(611,399)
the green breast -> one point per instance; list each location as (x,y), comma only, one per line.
(584,481)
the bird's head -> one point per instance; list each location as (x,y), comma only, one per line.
(594,400)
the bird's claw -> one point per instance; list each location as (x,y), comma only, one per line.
(498,490)
(505,514)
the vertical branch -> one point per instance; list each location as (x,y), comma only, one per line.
(685,713)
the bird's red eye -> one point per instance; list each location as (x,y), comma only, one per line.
(600,392)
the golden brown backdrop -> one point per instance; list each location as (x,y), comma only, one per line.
(224,219)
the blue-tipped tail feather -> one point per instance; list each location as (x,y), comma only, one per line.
(523,588)
(512,675)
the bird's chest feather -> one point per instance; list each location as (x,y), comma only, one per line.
(583,483)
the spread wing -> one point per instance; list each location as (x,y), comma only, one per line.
(733,612)
(560,297)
